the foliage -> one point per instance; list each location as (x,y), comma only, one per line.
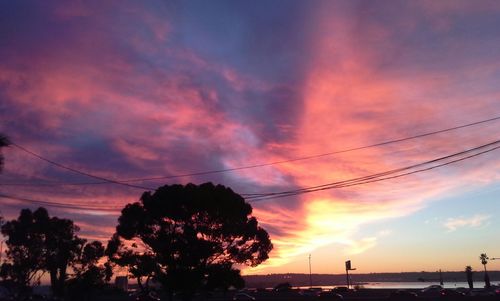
(62,248)
(141,265)
(187,235)
(223,276)
(38,243)
(88,274)
(484,259)
(25,251)
(4,141)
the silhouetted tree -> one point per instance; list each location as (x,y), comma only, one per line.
(62,248)
(468,274)
(25,253)
(38,243)
(88,274)
(190,231)
(141,265)
(484,261)
(88,263)
(4,141)
(223,276)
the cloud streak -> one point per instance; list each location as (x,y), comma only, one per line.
(475,221)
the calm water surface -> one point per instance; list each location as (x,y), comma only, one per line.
(412,285)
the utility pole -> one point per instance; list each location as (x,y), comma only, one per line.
(310,273)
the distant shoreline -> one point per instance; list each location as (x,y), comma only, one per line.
(425,278)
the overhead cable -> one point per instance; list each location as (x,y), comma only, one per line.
(383,176)
(107,180)
(60,204)
(126,182)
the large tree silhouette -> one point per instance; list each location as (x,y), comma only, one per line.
(191,232)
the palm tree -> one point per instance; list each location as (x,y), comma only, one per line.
(484,260)
(468,273)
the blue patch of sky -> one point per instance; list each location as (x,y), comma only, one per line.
(426,229)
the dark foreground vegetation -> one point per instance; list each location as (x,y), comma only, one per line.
(178,240)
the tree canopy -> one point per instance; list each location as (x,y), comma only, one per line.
(38,243)
(4,141)
(25,251)
(189,236)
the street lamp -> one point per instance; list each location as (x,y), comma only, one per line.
(310,273)
(347,269)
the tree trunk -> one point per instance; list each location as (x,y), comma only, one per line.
(469,279)
(62,279)
(57,281)
(487,283)
(53,282)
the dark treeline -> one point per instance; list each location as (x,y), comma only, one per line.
(178,240)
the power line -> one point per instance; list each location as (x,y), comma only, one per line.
(383,176)
(79,171)
(127,181)
(374,177)
(59,204)
(256,197)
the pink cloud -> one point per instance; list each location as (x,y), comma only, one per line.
(349,103)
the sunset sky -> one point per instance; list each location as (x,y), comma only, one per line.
(140,89)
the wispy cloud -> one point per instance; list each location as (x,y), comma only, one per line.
(475,221)
(360,246)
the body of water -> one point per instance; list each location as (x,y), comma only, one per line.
(419,285)
(410,285)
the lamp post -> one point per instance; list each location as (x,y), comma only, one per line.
(347,269)
(310,273)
